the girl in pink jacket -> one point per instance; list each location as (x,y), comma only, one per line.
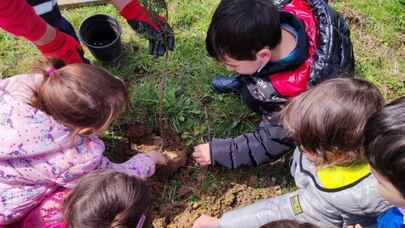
(49,122)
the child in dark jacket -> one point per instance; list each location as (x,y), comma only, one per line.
(277,52)
(277,55)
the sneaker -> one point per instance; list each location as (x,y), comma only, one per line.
(227,84)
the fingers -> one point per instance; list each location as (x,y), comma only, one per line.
(202,162)
(161,49)
(206,221)
(199,157)
(168,36)
(153,47)
(162,159)
(170,42)
(355,226)
(197,152)
(158,48)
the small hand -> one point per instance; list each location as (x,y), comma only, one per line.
(202,154)
(205,221)
(355,226)
(157,157)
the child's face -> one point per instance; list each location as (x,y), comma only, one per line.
(242,66)
(388,191)
(248,67)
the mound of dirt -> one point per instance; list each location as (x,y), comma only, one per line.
(194,199)
(182,191)
(137,137)
(175,154)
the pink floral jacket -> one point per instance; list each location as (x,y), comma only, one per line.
(38,155)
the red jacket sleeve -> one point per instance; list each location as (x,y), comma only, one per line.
(19,18)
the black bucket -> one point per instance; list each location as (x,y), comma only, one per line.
(101,33)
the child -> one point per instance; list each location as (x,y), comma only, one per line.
(335,188)
(49,122)
(101,199)
(385,151)
(242,35)
(277,53)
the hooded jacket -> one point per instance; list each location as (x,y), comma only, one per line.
(323,51)
(335,196)
(330,51)
(38,154)
(329,55)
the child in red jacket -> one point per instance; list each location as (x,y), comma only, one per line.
(277,55)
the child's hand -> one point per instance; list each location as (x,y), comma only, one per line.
(157,157)
(205,221)
(202,154)
(355,226)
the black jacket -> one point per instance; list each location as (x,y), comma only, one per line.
(333,58)
(269,142)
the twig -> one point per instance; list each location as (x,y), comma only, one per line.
(205,101)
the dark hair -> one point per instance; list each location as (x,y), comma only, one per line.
(107,200)
(385,143)
(79,95)
(288,224)
(241,28)
(329,119)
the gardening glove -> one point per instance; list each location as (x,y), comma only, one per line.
(158,32)
(64,47)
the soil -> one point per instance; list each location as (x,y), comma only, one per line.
(182,191)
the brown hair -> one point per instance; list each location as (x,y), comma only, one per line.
(288,224)
(107,200)
(385,143)
(79,95)
(329,119)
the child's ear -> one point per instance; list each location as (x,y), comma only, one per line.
(264,55)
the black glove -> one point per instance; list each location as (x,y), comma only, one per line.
(160,40)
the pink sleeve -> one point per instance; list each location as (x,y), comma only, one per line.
(140,165)
(19,18)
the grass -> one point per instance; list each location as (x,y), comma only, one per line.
(378,35)
(193,109)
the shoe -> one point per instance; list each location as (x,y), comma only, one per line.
(227,84)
